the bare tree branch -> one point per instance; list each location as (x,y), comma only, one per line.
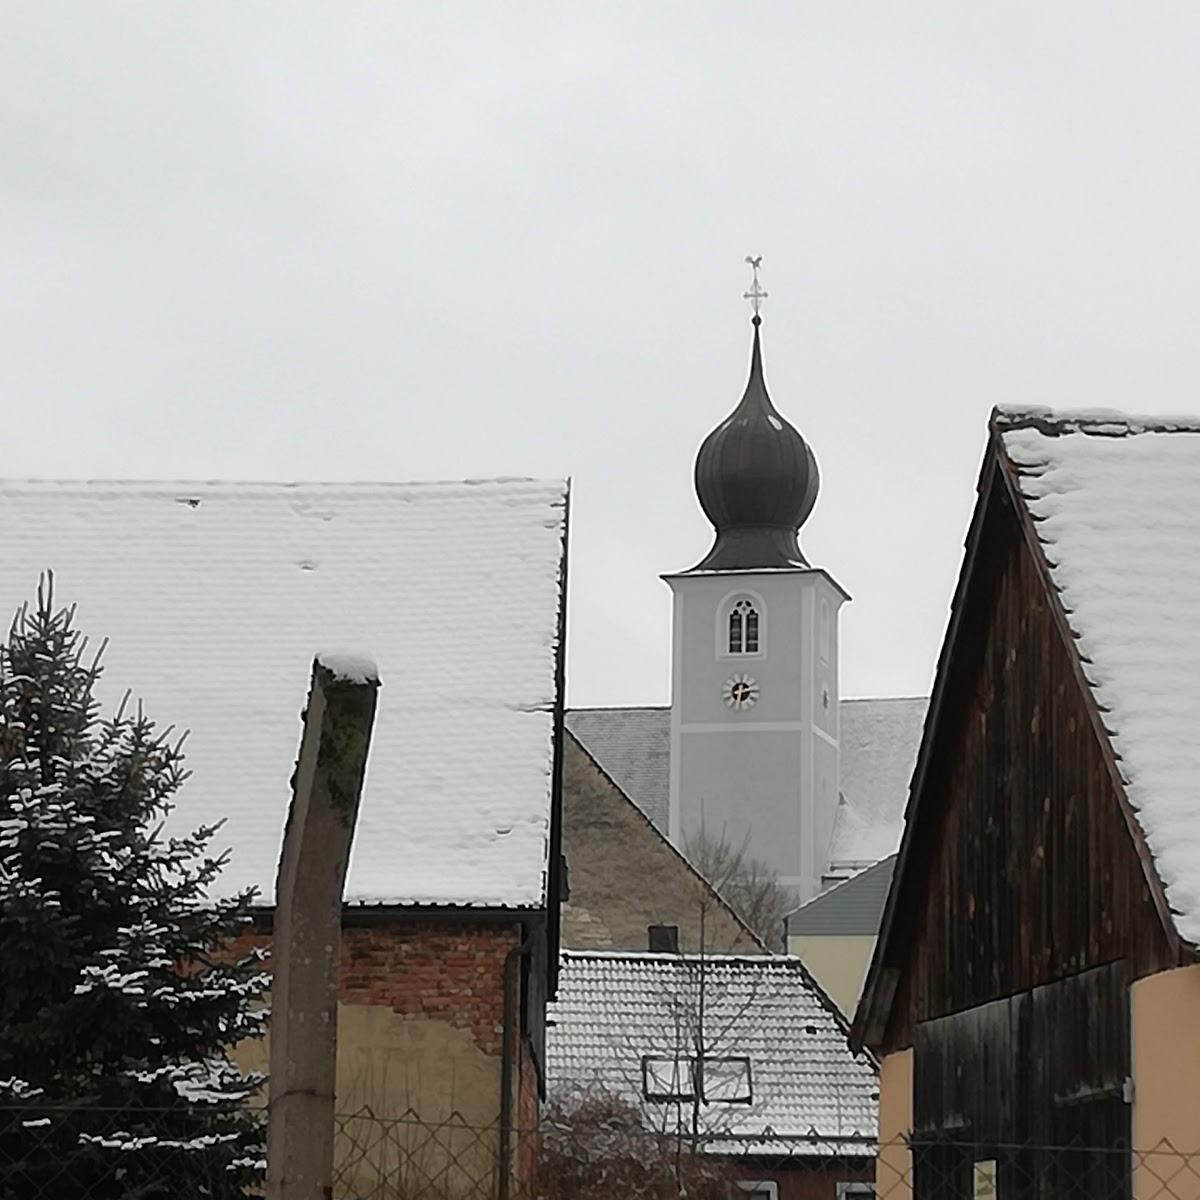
(744,882)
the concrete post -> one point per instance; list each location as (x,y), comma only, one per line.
(307,930)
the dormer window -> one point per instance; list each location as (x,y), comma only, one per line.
(743,628)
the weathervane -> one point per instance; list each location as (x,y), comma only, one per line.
(755,295)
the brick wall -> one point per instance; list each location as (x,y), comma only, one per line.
(436,970)
(421,1030)
(526,1140)
(439,970)
(806,1179)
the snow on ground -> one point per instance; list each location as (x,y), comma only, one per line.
(1117,506)
(214,597)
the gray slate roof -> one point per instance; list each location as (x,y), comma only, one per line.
(852,908)
(615,1008)
(879,740)
(633,745)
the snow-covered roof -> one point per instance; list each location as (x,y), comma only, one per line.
(1116,502)
(215,598)
(879,740)
(879,737)
(616,1009)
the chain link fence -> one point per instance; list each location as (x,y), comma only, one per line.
(180,1154)
(407,1158)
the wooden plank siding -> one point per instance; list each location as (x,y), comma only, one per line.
(1048,1065)
(1022,870)
(1034,1082)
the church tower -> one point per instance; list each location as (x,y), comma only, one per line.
(754,670)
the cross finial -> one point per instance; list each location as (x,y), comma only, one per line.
(755,295)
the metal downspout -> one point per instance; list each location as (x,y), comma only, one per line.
(511,1024)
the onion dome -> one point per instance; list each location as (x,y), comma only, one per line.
(757,482)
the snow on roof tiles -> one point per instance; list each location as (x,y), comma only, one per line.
(215,599)
(1116,501)
(614,1008)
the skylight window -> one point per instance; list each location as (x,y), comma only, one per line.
(667,1078)
(721,1081)
(727,1081)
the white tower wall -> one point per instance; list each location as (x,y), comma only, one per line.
(767,773)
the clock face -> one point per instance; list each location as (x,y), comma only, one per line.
(740,692)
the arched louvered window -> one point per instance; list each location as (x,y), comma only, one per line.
(743,628)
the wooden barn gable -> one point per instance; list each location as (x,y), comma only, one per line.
(1022,861)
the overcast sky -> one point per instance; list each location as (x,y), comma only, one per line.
(398,241)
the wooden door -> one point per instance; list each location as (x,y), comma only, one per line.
(1035,1083)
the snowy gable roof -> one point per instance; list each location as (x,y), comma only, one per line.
(215,598)
(1116,506)
(615,1010)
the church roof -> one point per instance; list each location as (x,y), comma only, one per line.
(633,746)
(879,739)
(215,597)
(616,1009)
(757,480)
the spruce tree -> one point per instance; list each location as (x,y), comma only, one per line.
(119,997)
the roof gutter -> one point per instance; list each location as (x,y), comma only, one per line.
(555,865)
(262,917)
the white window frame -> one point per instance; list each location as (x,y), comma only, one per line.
(680,1070)
(741,1060)
(724,609)
(856,1187)
(761,1187)
(668,1080)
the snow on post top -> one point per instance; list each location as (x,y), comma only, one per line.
(213,595)
(1116,505)
(351,668)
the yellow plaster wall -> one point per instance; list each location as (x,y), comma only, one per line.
(839,964)
(1165,1016)
(389,1064)
(893,1170)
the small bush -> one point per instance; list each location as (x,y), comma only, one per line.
(595,1146)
